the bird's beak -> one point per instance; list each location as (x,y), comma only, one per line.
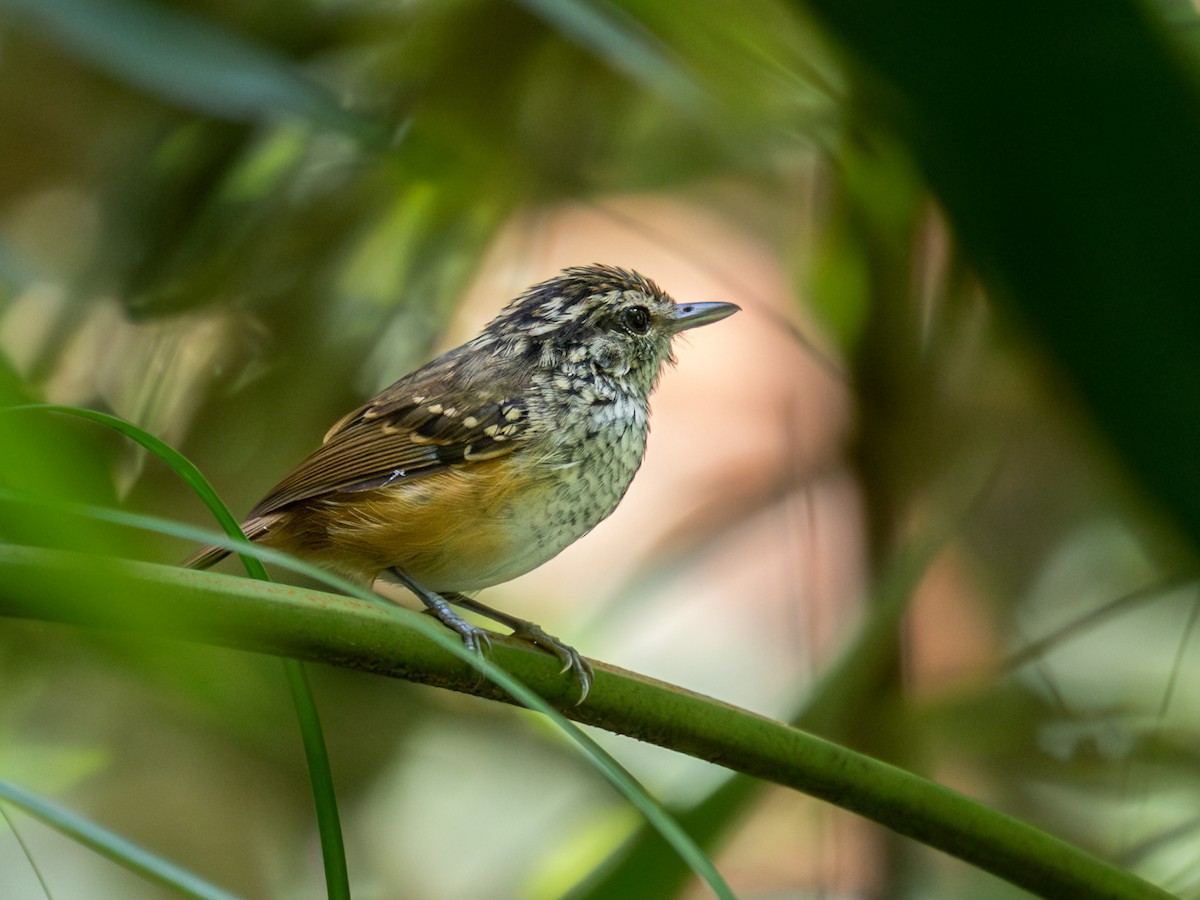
(693,315)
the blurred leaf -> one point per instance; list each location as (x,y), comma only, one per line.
(840,284)
(1062,140)
(183,59)
(623,42)
(47,461)
(54,766)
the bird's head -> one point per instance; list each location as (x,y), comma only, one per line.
(597,321)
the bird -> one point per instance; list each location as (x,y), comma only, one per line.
(492,458)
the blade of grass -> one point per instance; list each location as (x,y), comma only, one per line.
(37,870)
(1039,647)
(112,846)
(634,793)
(316,754)
(638,869)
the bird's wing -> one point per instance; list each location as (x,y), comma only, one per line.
(414,428)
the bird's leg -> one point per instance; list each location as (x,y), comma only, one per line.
(570,658)
(477,639)
(474,638)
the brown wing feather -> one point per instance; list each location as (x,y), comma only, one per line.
(414,428)
(404,434)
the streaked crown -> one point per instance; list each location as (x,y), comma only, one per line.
(599,320)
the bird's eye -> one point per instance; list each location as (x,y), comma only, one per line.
(635,319)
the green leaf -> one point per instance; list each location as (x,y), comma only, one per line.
(181,58)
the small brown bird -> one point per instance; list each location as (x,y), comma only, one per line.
(491,459)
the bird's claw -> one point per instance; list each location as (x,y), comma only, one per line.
(571,659)
(477,640)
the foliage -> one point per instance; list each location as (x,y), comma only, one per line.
(946,507)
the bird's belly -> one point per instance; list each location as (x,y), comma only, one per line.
(516,531)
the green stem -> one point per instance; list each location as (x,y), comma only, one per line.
(328,628)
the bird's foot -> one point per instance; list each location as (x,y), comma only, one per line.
(479,640)
(474,638)
(571,659)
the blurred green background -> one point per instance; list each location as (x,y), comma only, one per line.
(963,243)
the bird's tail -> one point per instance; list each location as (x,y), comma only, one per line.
(253,528)
(205,557)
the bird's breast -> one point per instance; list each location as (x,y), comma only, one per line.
(591,460)
(565,484)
